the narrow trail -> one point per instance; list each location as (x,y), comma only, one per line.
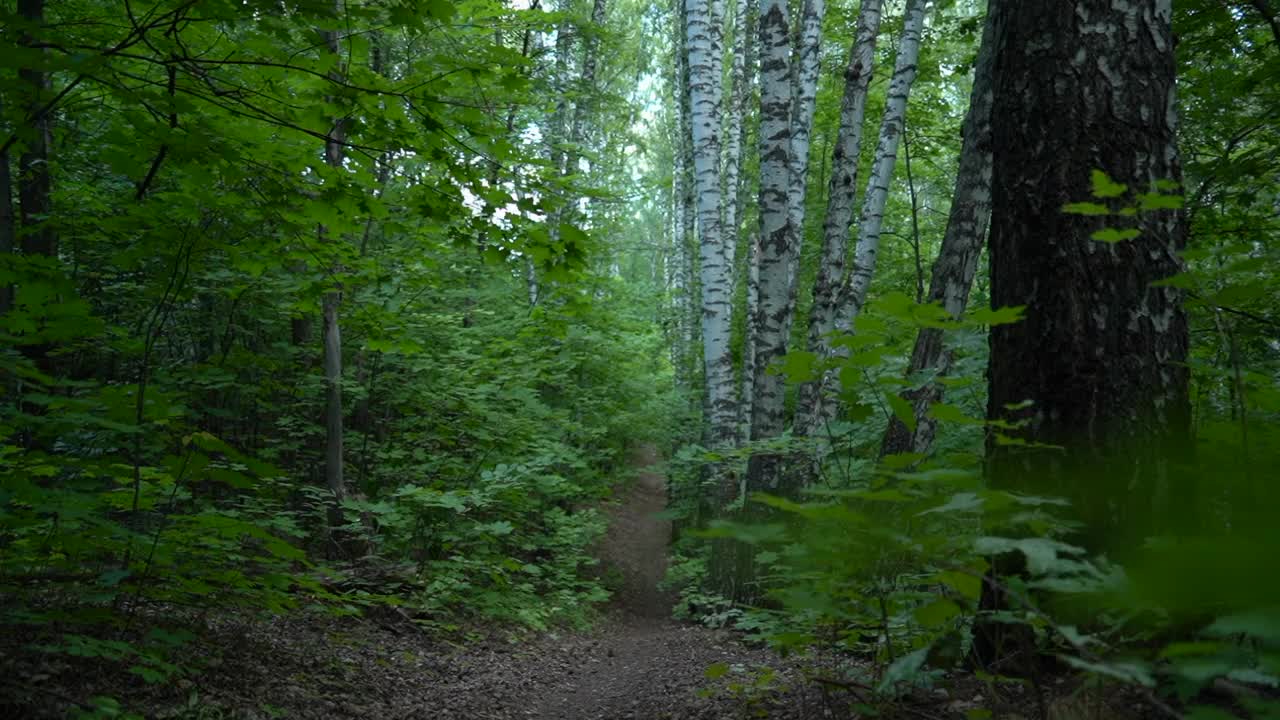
(635,664)
(639,663)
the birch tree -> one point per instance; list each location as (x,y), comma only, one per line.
(734,129)
(842,194)
(804,92)
(853,291)
(582,109)
(703,28)
(871,219)
(957,260)
(743,79)
(772,316)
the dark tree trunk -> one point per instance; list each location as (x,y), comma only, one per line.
(957,260)
(35,183)
(1097,367)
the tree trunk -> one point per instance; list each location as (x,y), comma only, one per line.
(734,128)
(687,214)
(843,191)
(804,93)
(334,155)
(35,183)
(777,236)
(744,28)
(1101,355)
(586,88)
(957,260)
(703,23)
(854,294)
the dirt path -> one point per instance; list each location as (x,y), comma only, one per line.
(635,545)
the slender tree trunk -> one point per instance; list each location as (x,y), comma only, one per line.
(747,394)
(804,93)
(841,196)
(687,215)
(854,294)
(703,25)
(561,70)
(35,182)
(334,155)
(774,308)
(957,260)
(744,28)
(734,128)
(585,105)
(1100,354)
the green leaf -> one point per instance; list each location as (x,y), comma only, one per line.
(1156,201)
(716,671)
(996,316)
(1115,235)
(902,410)
(1104,186)
(969,585)
(904,669)
(1085,208)
(937,613)
(799,366)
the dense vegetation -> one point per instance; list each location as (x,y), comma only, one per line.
(326,309)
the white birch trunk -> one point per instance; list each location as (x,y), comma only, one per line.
(733,127)
(773,311)
(842,194)
(873,203)
(743,76)
(587,88)
(804,93)
(957,260)
(853,292)
(703,27)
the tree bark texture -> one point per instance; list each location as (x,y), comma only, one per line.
(703,28)
(743,74)
(804,93)
(957,260)
(774,308)
(842,194)
(734,136)
(873,203)
(1101,354)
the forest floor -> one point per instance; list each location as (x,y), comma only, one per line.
(635,663)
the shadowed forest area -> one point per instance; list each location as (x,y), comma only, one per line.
(606,359)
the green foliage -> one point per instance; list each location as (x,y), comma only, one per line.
(162,436)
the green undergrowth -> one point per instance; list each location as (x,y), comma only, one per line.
(874,576)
